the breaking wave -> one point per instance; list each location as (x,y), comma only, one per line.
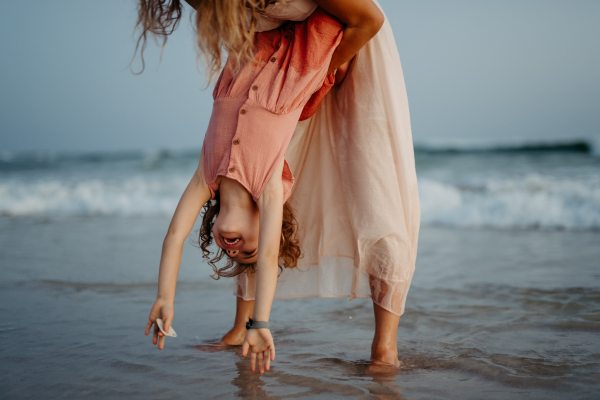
(141,195)
(510,185)
(530,202)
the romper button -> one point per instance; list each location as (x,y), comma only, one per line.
(273,59)
(236,141)
(231,169)
(287,36)
(254,87)
(243,111)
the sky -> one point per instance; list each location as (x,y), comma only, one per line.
(476,72)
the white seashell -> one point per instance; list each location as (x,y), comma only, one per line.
(171,333)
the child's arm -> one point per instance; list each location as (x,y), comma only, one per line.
(194,197)
(270,205)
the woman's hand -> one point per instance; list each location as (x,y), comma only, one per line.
(164,310)
(362,20)
(341,71)
(260,343)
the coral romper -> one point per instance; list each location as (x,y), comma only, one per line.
(256,110)
(355,195)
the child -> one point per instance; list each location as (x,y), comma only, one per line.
(242,168)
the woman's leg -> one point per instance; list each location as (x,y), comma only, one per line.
(385,347)
(243,312)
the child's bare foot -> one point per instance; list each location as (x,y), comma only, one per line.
(235,337)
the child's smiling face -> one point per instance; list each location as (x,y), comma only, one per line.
(236,231)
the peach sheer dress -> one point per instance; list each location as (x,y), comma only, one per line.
(355,192)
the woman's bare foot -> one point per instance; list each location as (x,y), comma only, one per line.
(385,355)
(384,361)
(384,349)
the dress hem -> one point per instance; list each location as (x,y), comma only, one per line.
(349,297)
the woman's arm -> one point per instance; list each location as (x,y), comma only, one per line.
(270,205)
(194,197)
(362,20)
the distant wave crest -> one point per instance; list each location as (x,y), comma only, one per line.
(530,202)
(136,196)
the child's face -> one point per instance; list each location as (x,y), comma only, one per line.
(236,231)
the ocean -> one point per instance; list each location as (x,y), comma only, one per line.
(505,299)
(530,186)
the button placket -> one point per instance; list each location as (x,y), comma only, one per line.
(234,149)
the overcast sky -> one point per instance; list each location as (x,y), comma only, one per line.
(476,70)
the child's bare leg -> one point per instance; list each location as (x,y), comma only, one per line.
(385,347)
(243,312)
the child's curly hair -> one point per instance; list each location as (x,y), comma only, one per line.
(289,248)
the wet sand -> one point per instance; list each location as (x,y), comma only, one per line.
(491,314)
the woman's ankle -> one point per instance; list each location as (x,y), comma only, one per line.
(385,354)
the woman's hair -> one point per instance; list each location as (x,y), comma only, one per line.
(289,248)
(220,25)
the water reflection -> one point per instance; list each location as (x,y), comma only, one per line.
(384,385)
(318,377)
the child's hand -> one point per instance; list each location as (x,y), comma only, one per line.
(164,310)
(262,347)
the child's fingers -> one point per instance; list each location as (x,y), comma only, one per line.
(148,326)
(267,360)
(166,324)
(161,342)
(252,362)
(261,362)
(272,351)
(245,348)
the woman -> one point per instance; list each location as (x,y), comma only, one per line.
(355,192)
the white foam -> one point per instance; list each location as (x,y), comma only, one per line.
(529,201)
(533,201)
(142,195)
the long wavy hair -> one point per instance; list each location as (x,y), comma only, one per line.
(221,26)
(289,247)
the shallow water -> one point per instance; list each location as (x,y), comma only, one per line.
(491,314)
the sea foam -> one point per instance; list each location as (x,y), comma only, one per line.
(131,197)
(530,202)
(533,201)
